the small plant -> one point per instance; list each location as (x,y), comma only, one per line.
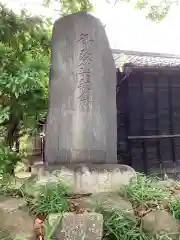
(118,227)
(4,183)
(8,159)
(175,208)
(50,230)
(145,190)
(51,198)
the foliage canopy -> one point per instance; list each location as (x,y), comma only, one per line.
(156,9)
(24,57)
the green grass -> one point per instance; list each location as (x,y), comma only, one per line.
(174,206)
(144,191)
(7,186)
(51,198)
(119,227)
(143,194)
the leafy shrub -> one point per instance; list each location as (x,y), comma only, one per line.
(8,159)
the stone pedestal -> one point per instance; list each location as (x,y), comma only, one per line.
(92,178)
(81,124)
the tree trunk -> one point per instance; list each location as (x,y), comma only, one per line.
(12,130)
(17,141)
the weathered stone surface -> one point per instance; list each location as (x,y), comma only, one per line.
(81,124)
(31,186)
(15,219)
(88,179)
(20,167)
(72,226)
(11,204)
(161,222)
(109,202)
(54,219)
(167,183)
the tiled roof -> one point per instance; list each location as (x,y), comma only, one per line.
(145,59)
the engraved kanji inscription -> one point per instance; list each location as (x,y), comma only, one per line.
(84,72)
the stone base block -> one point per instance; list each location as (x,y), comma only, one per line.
(15,219)
(87,178)
(72,226)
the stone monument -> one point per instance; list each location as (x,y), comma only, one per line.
(81,124)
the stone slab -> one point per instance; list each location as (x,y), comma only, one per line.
(15,219)
(105,202)
(73,226)
(81,123)
(87,178)
(160,222)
